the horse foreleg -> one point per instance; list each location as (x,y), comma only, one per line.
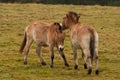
(64,58)
(38,51)
(52,56)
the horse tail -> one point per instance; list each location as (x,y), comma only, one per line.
(23,43)
(92,45)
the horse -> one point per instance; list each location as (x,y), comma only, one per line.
(44,34)
(84,38)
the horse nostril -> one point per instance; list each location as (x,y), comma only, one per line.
(61,49)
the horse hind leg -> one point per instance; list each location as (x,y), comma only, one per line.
(88,57)
(26,50)
(84,58)
(96,60)
(38,51)
(96,54)
(75,58)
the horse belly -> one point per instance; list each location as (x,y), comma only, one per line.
(43,44)
(42,41)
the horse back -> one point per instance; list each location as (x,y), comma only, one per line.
(81,34)
(38,32)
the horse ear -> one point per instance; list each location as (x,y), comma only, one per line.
(59,27)
(55,23)
(67,15)
(78,16)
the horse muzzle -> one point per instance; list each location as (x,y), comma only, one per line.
(61,48)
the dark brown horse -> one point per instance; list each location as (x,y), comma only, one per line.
(84,38)
(44,34)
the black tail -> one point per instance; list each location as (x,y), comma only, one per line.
(92,46)
(23,43)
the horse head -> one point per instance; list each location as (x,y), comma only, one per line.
(59,37)
(69,19)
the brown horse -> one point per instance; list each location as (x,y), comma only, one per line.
(44,34)
(84,38)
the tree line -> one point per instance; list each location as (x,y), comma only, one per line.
(75,2)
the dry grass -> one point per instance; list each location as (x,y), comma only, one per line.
(15,17)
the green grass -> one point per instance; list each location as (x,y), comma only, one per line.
(15,17)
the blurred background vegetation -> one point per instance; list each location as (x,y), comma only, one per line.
(75,2)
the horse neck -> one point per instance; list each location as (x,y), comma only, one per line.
(73,24)
(52,31)
(51,35)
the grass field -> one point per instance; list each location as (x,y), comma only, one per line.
(15,17)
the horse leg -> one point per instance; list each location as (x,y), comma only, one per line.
(84,58)
(27,46)
(38,51)
(64,58)
(75,58)
(96,60)
(88,56)
(52,56)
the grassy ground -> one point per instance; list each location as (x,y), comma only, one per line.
(15,17)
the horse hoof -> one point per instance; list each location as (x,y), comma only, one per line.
(66,64)
(51,66)
(25,63)
(76,67)
(89,71)
(97,72)
(85,66)
(43,63)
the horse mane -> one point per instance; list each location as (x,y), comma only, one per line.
(74,16)
(57,27)
(73,13)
